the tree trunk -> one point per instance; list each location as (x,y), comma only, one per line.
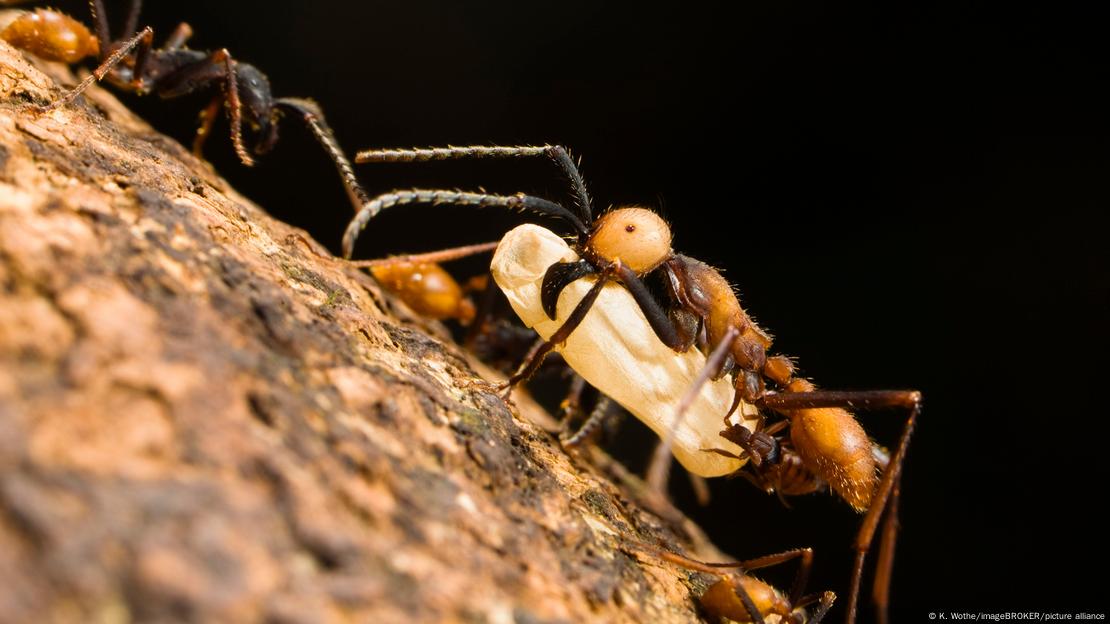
(201,419)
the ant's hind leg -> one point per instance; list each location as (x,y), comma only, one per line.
(886,494)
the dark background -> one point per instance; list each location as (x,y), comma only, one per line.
(906,196)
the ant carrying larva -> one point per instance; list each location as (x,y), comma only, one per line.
(702,415)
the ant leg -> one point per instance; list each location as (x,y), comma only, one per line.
(660,467)
(571,406)
(519,201)
(235,107)
(100,24)
(178,37)
(207,119)
(131,24)
(443,255)
(884,567)
(885,494)
(535,357)
(314,118)
(144,39)
(558,153)
(826,601)
(602,412)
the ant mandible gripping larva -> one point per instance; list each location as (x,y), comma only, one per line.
(132,63)
(826,447)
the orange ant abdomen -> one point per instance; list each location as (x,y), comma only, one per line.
(836,447)
(721,599)
(426,288)
(52,36)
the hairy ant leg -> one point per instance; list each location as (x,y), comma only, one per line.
(100,72)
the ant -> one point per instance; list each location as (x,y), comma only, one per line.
(740,597)
(133,64)
(826,446)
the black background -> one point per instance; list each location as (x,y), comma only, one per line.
(906,196)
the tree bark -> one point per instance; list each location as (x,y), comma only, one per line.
(201,419)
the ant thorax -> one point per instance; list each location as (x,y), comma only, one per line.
(616,351)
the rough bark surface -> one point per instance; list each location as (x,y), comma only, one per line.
(202,420)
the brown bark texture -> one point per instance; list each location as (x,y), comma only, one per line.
(203,420)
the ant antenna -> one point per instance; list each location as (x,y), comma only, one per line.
(558,153)
(519,201)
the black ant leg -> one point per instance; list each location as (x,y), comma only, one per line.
(100,25)
(601,412)
(144,37)
(535,357)
(314,118)
(519,201)
(660,467)
(558,153)
(207,119)
(884,567)
(178,37)
(131,24)
(884,498)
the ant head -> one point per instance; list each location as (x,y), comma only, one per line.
(638,237)
(51,35)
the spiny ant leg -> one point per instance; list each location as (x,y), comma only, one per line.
(667,331)
(207,119)
(443,255)
(601,412)
(99,73)
(519,201)
(235,106)
(571,406)
(558,153)
(535,357)
(660,467)
(314,118)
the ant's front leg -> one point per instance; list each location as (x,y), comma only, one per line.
(143,41)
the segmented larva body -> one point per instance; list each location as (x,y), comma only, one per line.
(617,352)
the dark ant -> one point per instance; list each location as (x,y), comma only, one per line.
(827,445)
(133,64)
(740,597)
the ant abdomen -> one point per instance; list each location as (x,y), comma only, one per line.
(51,35)
(836,447)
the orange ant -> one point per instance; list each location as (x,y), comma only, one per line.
(826,446)
(740,597)
(132,63)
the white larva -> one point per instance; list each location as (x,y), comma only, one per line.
(617,352)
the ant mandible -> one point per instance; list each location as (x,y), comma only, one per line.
(132,63)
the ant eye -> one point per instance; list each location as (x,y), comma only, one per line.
(630,228)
